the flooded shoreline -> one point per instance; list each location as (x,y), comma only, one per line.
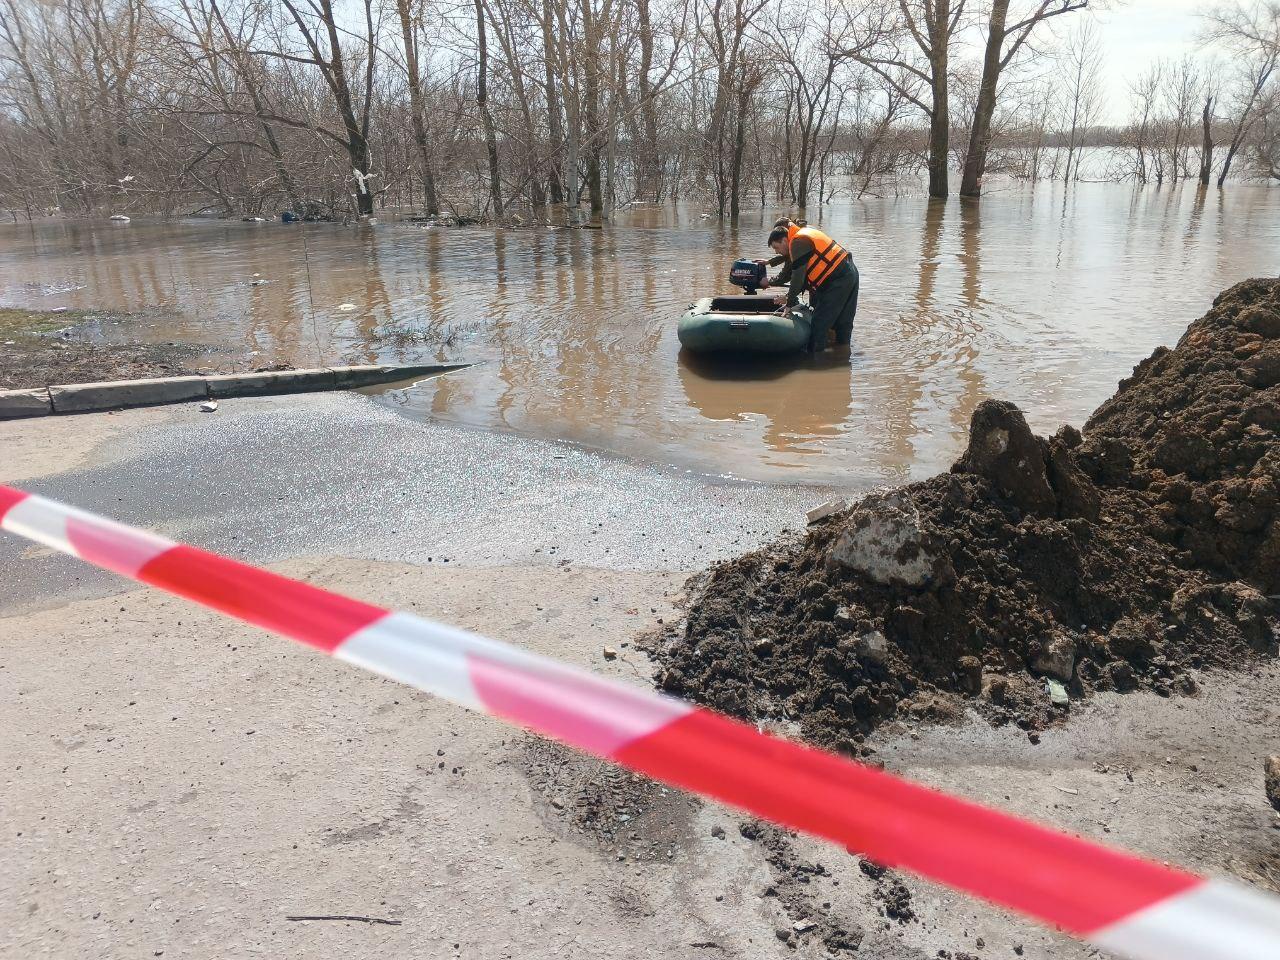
(1045,297)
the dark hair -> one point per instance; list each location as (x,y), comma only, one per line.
(778,233)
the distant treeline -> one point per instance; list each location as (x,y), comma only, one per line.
(499,108)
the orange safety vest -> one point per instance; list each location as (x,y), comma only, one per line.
(827,254)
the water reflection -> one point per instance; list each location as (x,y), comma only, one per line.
(803,401)
(1044,297)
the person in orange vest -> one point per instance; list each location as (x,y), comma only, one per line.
(816,263)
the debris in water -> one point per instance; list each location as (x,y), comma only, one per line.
(346,307)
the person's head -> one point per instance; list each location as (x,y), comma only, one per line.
(782,222)
(778,239)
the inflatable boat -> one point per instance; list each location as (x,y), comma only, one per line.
(744,323)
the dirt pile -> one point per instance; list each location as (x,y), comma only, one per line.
(1195,430)
(1036,571)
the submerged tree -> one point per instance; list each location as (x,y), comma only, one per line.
(1007,33)
(1251,33)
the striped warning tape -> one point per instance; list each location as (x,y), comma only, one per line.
(1131,906)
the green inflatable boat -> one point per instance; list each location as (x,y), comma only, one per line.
(741,323)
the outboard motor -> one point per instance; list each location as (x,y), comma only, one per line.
(751,275)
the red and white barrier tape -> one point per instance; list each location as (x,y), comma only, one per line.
(1124,904)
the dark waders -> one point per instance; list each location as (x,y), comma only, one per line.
(834,305)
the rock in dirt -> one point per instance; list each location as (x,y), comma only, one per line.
(1057,693)
(1271,780)
(885,540)
(1116,559)
(1056,657)
(1003,449)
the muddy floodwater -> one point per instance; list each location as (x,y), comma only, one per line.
(1045,297)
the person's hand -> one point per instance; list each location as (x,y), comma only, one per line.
(780,300)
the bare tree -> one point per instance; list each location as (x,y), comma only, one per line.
(1210,95)
(1143,90)
(1251,32)
(1004,41)
(1266,147)
(317,24)
(486,116)
(1179,95)
(1081,85)
(809,61)
(908,43)
(409,13)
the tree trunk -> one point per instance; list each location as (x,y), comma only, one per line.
(591,111)
(555,131)
(358,150)
(486,117)
(649,175)
(1206,141)
(975,161)
(940,115)
(357,136)
(1245,121)
(417,115)
(739,148)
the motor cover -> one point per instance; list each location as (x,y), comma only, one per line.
(751,275)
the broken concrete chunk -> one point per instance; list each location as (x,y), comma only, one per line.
(1056,657)
(884,540)
(610,653)
(828,509)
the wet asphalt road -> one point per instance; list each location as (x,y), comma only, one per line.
(266,479)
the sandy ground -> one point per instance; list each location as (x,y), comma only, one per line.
(175,784)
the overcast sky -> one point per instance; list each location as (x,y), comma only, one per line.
(1137,32)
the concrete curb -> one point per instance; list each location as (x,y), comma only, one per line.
(113,394)
(25,403)
(279,381)
(118,394)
